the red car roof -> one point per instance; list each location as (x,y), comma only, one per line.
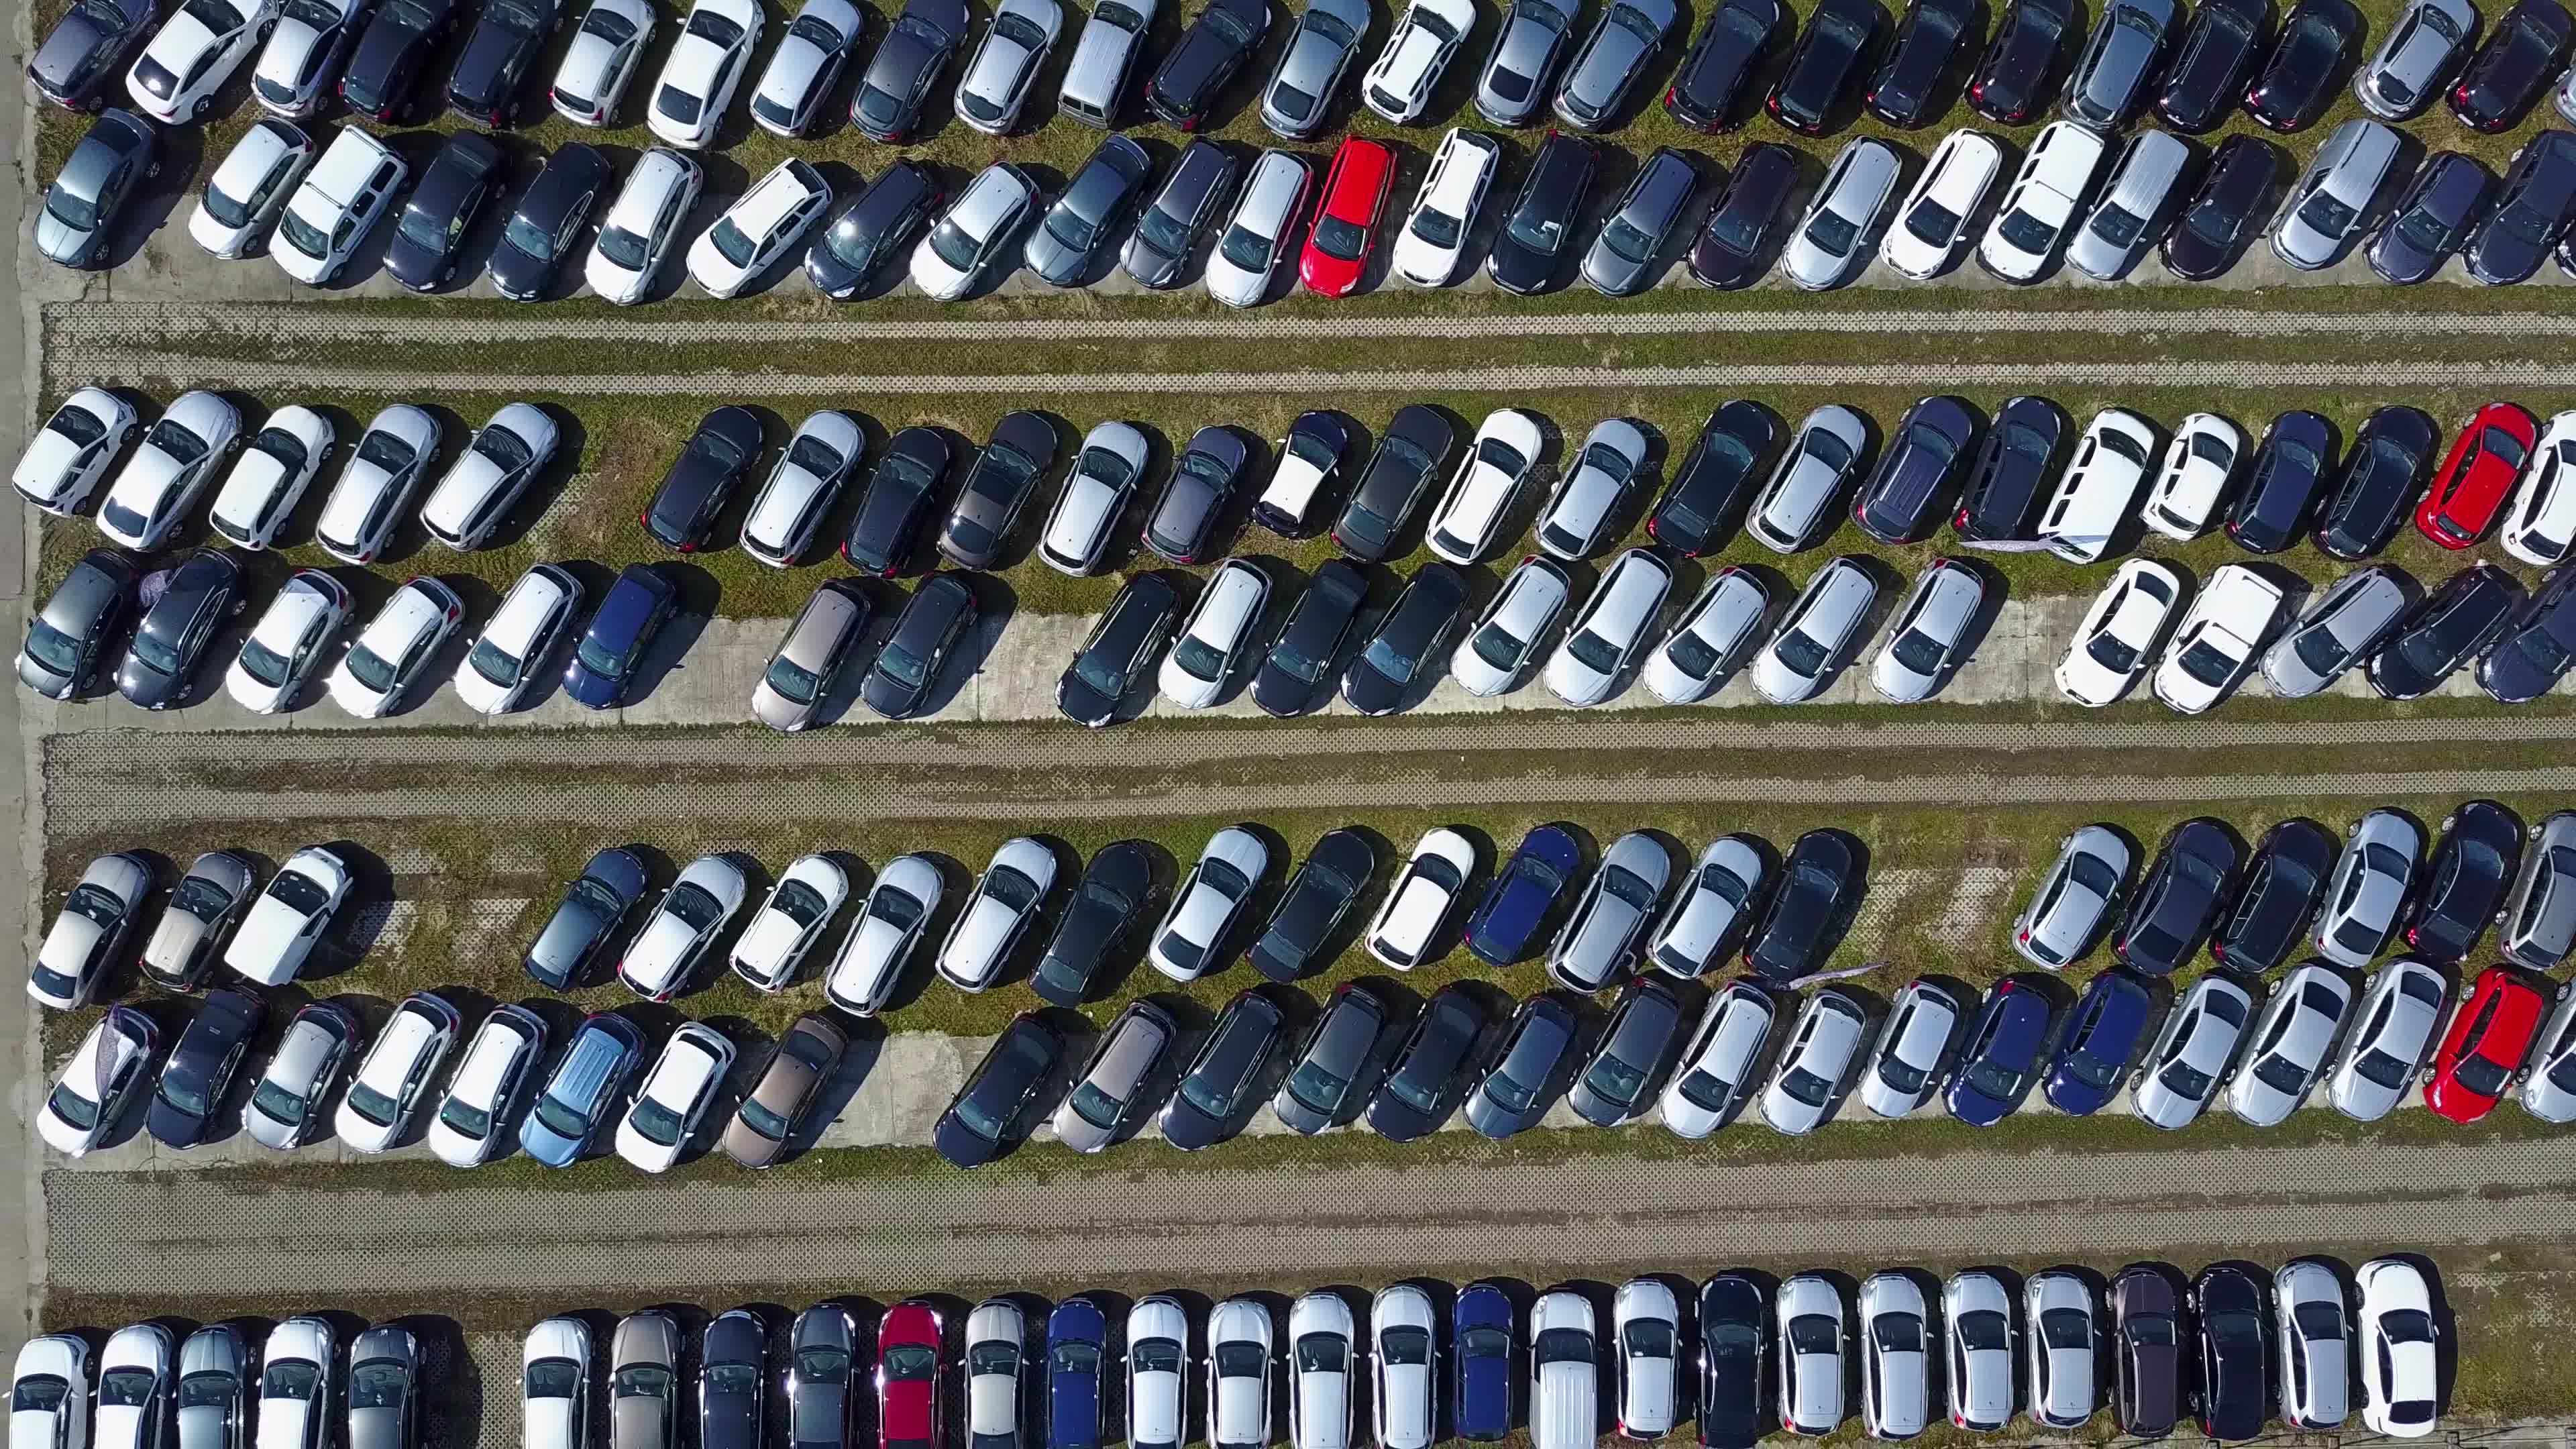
(1353,192)
(2474,482)
(2494,1028)
(908,1376)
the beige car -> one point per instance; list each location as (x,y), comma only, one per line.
(800,676)
(644,1382)
(807,1056)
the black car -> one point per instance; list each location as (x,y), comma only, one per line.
(939,614)
(201,1067)
(1636,1049)
(1214,47)
(2390,459)
(67,637)
(1331,1067)
(593,907)
(1819,892)
(1734,1378)
(1928,38)
(86,48)
(1421,1087)
(2537,646)
(1709,85)
(2234,200)
(459,182)
(733,1379)
(2285,882)
(2289,471)
(1157,254)
(711,464)
(1841,39)
(2014,468)
(2444,203)
(1536,233)
(2020,69)
(2306,66)
(2178,900)
(2218,51)
(386,63)
(1917,470)
(915,50)
(541,233)
(1183,527)
(1623,257)
(1412,452)
(2464,882)
(1734,245)
(1022,449)
(2521,56)
(203,591)
(2533,208)
(1405,649)
(2453,625)
(1317,628)
(898,497)
(1123,647)
(1216,1089)
(983,1119)
(1318,443)
(1313,904)
(1116,885)
(1715,478)
(1091,212)
(2234,1391)
(505,38)
(880,224)
(1519,1082)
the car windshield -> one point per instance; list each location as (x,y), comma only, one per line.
(2208,664)
(1164,232)
(524,234)
(291,1378)
(2325,215)
(552,1378)
(2118,225)
(2112,652)
(1801,653)
(1813,1333)
(1628,242)
(1536,229)
(1917,651)
(2027,233)
(641,1381)
(1932,223)
(2185,1080)
(954,245)
(2424,232)
(2482,1076)
(1616,1079)
(369,668)
(1833,233)
(1339,239)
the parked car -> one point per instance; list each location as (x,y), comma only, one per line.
(1714,1071)
(1215,45)
(2349,620)
(2039,210)
(2113,76)
(200,1068)
(1812,1329)
(2390,458)
(2392,1032)
(393,1077)
(1795,508)
(2219,638)
(888,927)
(1928,39)
(2182,1071)
(619,636)
(1408,925)
(2288,1050)
(982,1119)
(1842,224)
(2524,50)
(2073,901)
(96,1089)
(2228,209)
(1733,249)
(2455,624)
(285,1103)
(759,229)
(2448,198)
(2484,1046)
(1839,46)
(847,255)
(1821,884)
(1418,50)
(2121,633)
(1931,225)
(2338,195)
(2426,40)
(664,952)
(2019,71)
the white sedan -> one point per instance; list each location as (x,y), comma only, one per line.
(758,229)
(554,1377)
(501,665)
(698,81)
(485,481)
(270,476)
(2118,637)
(180,454)
(68,456)
(195,51)
(49,1393)
(392,456)
(2219,639)
(242,199)
(1490,473)
(287,642)
(674,1097)
(891,920)
(296,907)
(1408,925)
(99,1082)
(808,894)
(395,647)
(2399,1353)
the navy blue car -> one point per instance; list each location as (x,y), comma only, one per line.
(1077,1351)
(1506,922)
(1481,1336)
(2006,1047)
(2111,1022)
(635,609)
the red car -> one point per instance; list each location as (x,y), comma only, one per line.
(2479,475)
(908,1408)
(2486,1043)
(1337,250)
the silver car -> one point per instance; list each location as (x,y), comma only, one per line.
(2292,1041)
(1913,1054)
(1254,242)
(2539,925)
(2189,1059)
(1578,516)
(998,79)
(809,58)
(1795,508)
(214,1363)
(1507,637)
(1113,1084)
(1611,914)
(1105,476)
(2427,40)
(206,903)
(2367,888)
(1208,903)
(1819,635)
(2066,913)
(1300,94)
(809,659)
(890,920)
(2058,1307)
(1102,55)
(2392,1031)
(1715,1067)
(1812,1330)
(2315,1326)
(1979,1316)
(1840,228)
(1896,1357)
(2347,621)
(1922,648)
(1706,912)
(2549,1080)
(2338,195)
(384,1389)
(1807,1084)
(1606,637)
(1006,898)
(287,1101)
(1709,642)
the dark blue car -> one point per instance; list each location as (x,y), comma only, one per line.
(2005,1049)
(1525,890)
(1481,1336)
(2110,1024)
(604,663)
(1077,1349)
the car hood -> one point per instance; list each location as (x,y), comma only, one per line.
(31,1429)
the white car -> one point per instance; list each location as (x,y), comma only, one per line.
(2182,1070)
(1977,1320)
(96,917)
(2540,527)
(1646,1331)
(489,475)
(1158,1368)
(1915,1048)
(810,472)
(269,477)
(1817,635)
(179,456)
(2393,1029)
(1715,1068)
(554,1385)
(1400,83)
(998,911)
(1469,520)
(635,236)
(68,456)
(808,60)
(1408,924)
(967,236)
(1611,630)
(1564,1371)
(809,893)
(393,1077)
(1812,1330)
(49,1394)
(1404,1363)
(1254,243)
(135,1388)
(292,911)
(501,665)
(2100,482)
(244,195)
(996,1364)
(1238,1370)
(1000,76)
(2219,638)
(697,82)
(297,1365)
(1896,1358)
(1208,903)
(2040,209)
(1796,507)
(1831,239)
(1718,895)
(98,1084)
(757,230)
(194,52)
(473,1121)
(282,649)
(392,456)
(2400,1348)
(690,915)
(1216,637)
(2057,1306)
(2200,459)
(1929,630)
(1104,477)
(1432,244)
(900,903)
(1931,225)
(294,72)
(341,199)
(1323,1352)
(2291,1040)
(1506,638)
(2120,632)
(674,1097)
(395,647)
(1807,1083)
(1709,641)
(601,60)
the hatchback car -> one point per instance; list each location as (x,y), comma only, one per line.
(2337,196)
(762,227)
(1536,232)
(2484,1046)
(499,1065)
(1336,255)
(392,1079)
(2454,625)
(665,950)
(973,230)
(982,1120)
(1733,249)
(613,646)
(1422,1082)
(2103,1036)
(1714,1071)
(199,1073)
(2121,634)
(847,255)
(1931,225)
(2005,1051)
(1106,473)
(1516,1085)
(1815,1064)
(1818,634)
(1842,224)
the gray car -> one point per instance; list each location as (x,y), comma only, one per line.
(1916,1047)
(2119,63)
(214,1397)
(1796,507)
(1841,225)
(1299,97)
(2338,196)
(2182,1070)
(1609,919)
(287,1101)
(77,60)
(205,904)
(1710,639)
(2367,888)
(2548,1089)
(644,1382)
(2315,1328)
(2293,1044)
(1622,259)
(2074,899)
(1578,517)
(1006,65)
(97,180)
(1922,649)
(2348,621)
(998,911)
(1622,42)
(1104,477)
(1113,1083)
(2428,39)
(1611,630)
(2539,926)
(822,1359)
(1513,84)
(1818,634)
(67,638)
(1068,238)
(808,661)
(1168,231)
(384,1389)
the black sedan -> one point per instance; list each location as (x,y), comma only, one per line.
(597,902)
(2390,459)
(1125,644)
(1021,451)
(460,181)
(1733,249)
(2014,468)
(1303,653)
(1313,905)
(201,1067)
(1917,472)
(1214,47)
(915,50)
(1404,652)
(900,491)
(2023,63)
(2464,882)
(1928,38)
(939,614)
(2307,65)
(1116,886)
(2284,884)
(204,590)
(1710,82)
(2538,643)
(2521,56)
(1841,39)
(1716,478)
(540,235)
(1412,452)
(1820,891)
(2232,204)
(2209,68)
(1538,232)
(386,63)
(712,463)
(1421,1088)
(506,36)
(983,1119)
(2289,471)
(1183,526)
(2445,202)
(879,225)
(2235,1391)
(76,60)
(2534,207)
(2452,626)
(2178,900)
